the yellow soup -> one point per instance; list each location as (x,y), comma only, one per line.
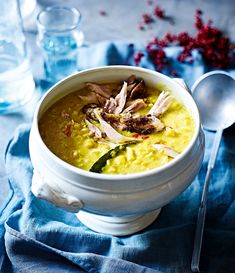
(65,132)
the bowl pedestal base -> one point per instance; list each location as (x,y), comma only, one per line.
(118,226)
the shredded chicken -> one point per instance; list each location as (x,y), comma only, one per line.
(130,87)
(161,105)
(134,105)
(116,105)
(117,112)
(102,90)
(88,110)
(131,83)
(138,91)
(142,124)
(113,119)
(167,150)
(131,79)
(111,133)
(92,97)
(110,105)
(134,123)
(94,129)
(121,99)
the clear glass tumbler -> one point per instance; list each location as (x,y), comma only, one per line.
(16,80)
(59,38)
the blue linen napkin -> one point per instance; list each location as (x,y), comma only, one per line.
(35,236)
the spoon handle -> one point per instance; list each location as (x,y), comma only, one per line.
(215,148)
(202,209)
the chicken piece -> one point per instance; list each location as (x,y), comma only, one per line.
(113,119)
(142,124)
(138,91)
(111,133)
(120,99)
(110,105)
(131,79)
(92,97)
(130,87)
(94,129)
(134,105)
(116,105)
(161,105)
(102,90)
(131,83)
(88,110)
(167,150)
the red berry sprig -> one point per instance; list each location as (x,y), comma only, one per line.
(216,49)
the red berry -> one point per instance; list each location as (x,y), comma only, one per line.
(159,12)
(147,18)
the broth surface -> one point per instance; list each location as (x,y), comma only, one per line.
(66,134)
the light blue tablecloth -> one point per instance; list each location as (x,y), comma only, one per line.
(37,237)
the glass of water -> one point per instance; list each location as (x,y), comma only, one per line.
(16,80)
(59,38)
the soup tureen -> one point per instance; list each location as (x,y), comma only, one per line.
(113,204)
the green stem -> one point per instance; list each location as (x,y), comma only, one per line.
(101,162)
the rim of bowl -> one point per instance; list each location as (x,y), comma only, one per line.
(118,177)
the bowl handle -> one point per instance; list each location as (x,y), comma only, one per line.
(41,189)
(181,82)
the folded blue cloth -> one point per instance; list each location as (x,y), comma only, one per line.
(106,53)
(36,237)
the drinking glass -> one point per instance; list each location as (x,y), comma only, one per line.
(59,38)
(16,80)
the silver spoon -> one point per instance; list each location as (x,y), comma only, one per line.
(214,94)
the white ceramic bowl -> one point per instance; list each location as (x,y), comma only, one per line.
(113,204)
